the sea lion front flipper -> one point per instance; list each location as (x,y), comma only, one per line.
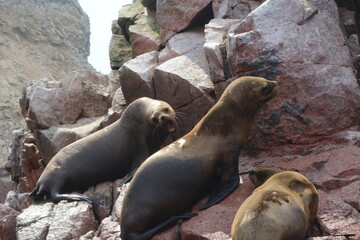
(227,185)
(126,179)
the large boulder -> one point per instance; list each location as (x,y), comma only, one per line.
(313,75)
(144,34)
(136,76)
(176,15)
(182,80)
(81,93)
(65,220)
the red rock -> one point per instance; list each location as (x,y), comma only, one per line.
(93,87)
(312,75)
(103,192)
(144,34)
(7,222)
(215,222)
(136,76)
(177,15)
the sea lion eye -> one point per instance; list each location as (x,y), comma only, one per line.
(155,120)
(266,89)
(166,110)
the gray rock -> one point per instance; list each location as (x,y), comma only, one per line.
(34,222)
(48,40)
(144,34)
(71,220)
(128,14)
(119,51)
(151,4)
(234,9)
(215,48)
(136,76)
(65,220)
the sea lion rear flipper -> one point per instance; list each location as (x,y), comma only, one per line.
(152,231)
(223,189)
(56,197)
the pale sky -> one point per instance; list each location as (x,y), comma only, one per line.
(101,14)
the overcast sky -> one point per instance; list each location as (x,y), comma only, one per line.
(101,14)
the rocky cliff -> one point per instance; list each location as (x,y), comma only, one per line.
(187,56)
(37,39)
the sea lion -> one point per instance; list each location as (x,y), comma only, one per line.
(107,154)
(283,207)
(204,161)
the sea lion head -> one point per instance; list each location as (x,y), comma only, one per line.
(259,176)
(156,118)
(250,92)
(163,117)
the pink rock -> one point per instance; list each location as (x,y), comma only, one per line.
(117,107)
(95,89)
(182,43)
(231,9)
(335,172)
(312,75)
(136,76)
(103,192)
(50,141)
(177,15)
(7,222)
(80,94)
(184,81)
(108,229)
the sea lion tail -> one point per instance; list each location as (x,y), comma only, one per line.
(151,232)
(74,197)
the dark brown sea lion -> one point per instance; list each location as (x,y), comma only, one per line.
(283,207)
(204,161)
(107,154)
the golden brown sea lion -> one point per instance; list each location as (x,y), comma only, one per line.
(283,207)
(204,161)
(107,154)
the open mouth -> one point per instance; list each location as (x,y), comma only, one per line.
(170,127)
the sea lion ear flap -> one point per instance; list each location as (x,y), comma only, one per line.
(228,183)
